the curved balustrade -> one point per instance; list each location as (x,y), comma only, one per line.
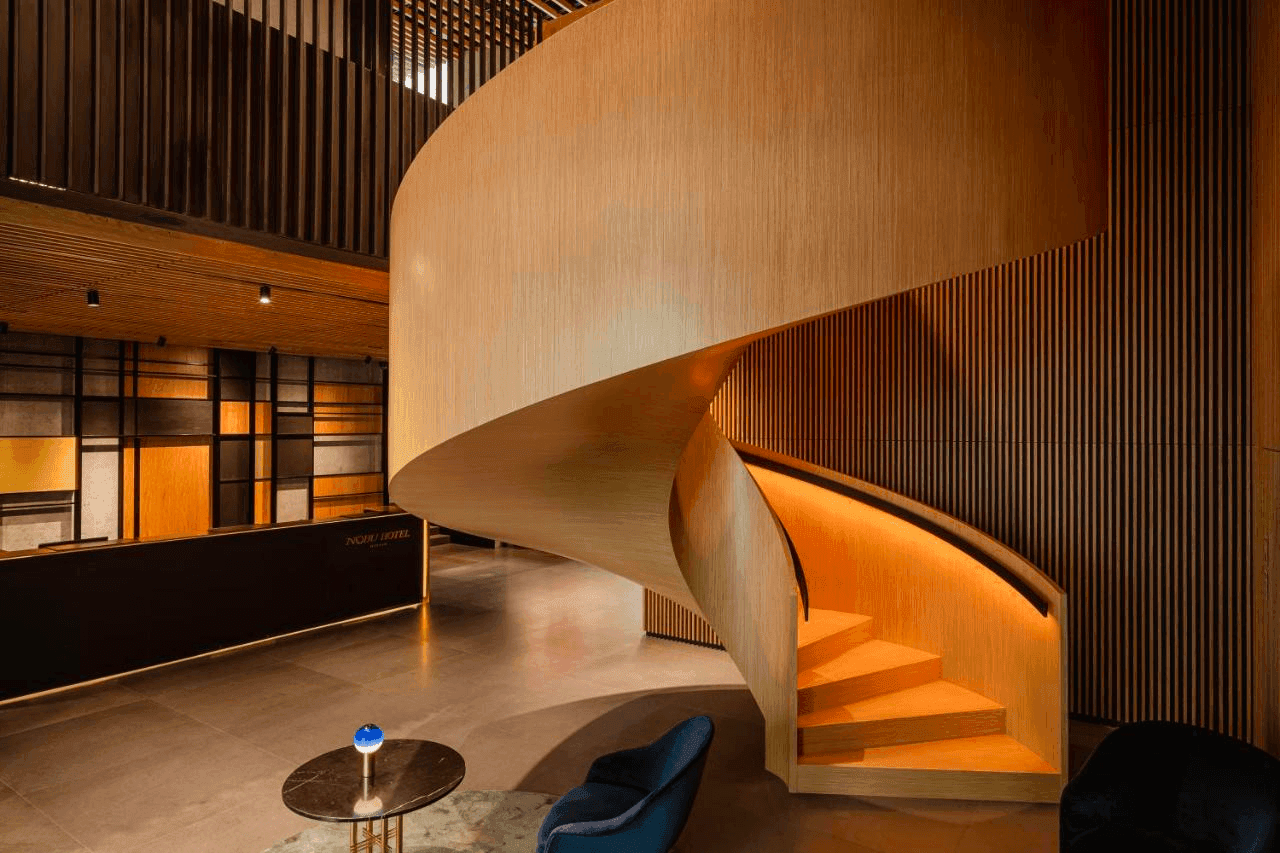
(582,250)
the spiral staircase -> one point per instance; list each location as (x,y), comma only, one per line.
(584,248)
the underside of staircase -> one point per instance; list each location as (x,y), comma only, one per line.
(878,719)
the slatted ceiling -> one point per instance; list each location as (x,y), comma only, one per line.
(207,288)
(1088,406)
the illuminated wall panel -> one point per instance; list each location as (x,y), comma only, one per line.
(1088,407)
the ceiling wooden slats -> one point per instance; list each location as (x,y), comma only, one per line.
(194,290)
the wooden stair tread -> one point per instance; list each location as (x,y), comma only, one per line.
(927,700)
(982,754)
(826,623)
(863,659)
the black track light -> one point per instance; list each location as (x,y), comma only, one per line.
(160,341)
(264,294)
(4,328)
(272,351)
(91,299)
(368,358)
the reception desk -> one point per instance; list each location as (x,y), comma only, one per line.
(74,613)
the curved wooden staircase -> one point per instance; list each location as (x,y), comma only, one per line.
(877,718)
(737,166)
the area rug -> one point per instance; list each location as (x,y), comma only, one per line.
(463,822)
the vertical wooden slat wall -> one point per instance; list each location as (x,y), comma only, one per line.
(1265,310)
(664,618)
(288,117)
(1089,406)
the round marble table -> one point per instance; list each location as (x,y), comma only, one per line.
(407,775)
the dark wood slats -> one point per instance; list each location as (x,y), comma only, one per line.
(664,618)
(285,117)
(1089,407)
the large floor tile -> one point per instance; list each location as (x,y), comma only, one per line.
(26,829)
(56,707)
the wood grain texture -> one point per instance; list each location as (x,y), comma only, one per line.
(564,421)
(37,465)
(234,418)
(1088,407)
(923,593)
(195,290)
(739,571)
(664,618)
(1264,243)
(558,23)
(173,484)
(234,125)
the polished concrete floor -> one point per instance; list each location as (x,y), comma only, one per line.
(527,664)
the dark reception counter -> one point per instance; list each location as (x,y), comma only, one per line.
(81,611)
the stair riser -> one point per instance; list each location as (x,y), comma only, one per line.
(830,648)
(862,687)
(847,737)
(945,784)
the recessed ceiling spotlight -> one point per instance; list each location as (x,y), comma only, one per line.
(91,299)
(160,341)
(264,294)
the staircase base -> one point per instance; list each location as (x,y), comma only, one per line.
(991,767)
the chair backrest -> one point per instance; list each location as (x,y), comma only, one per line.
(653,824)
(1213,791)
(684,744)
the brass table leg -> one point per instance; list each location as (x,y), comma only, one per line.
(379,840)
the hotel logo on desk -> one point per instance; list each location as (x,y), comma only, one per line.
(377,540)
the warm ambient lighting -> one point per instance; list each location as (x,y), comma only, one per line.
(264,294)
(91,299)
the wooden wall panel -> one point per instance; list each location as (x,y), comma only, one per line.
(1089,407)
(234,418)
(665,618)
(173,477)
(1265,306)
(231,116)
(37,465)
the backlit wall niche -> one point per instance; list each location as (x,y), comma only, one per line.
(111,440)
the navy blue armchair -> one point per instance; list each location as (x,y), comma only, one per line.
(1169,787)
(634,801)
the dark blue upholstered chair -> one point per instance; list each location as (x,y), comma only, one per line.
(1159,787)
(634,801)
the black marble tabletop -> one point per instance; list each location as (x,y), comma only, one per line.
(408,774)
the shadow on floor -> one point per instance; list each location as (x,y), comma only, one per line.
(742,807)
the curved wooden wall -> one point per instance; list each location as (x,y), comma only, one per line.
(560,324)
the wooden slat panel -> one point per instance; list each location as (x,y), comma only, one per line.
(207,288)
(1087,407)
(27,107)
(1264,50)
(53,161)
(232,112)
(665,618)
(37,464)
